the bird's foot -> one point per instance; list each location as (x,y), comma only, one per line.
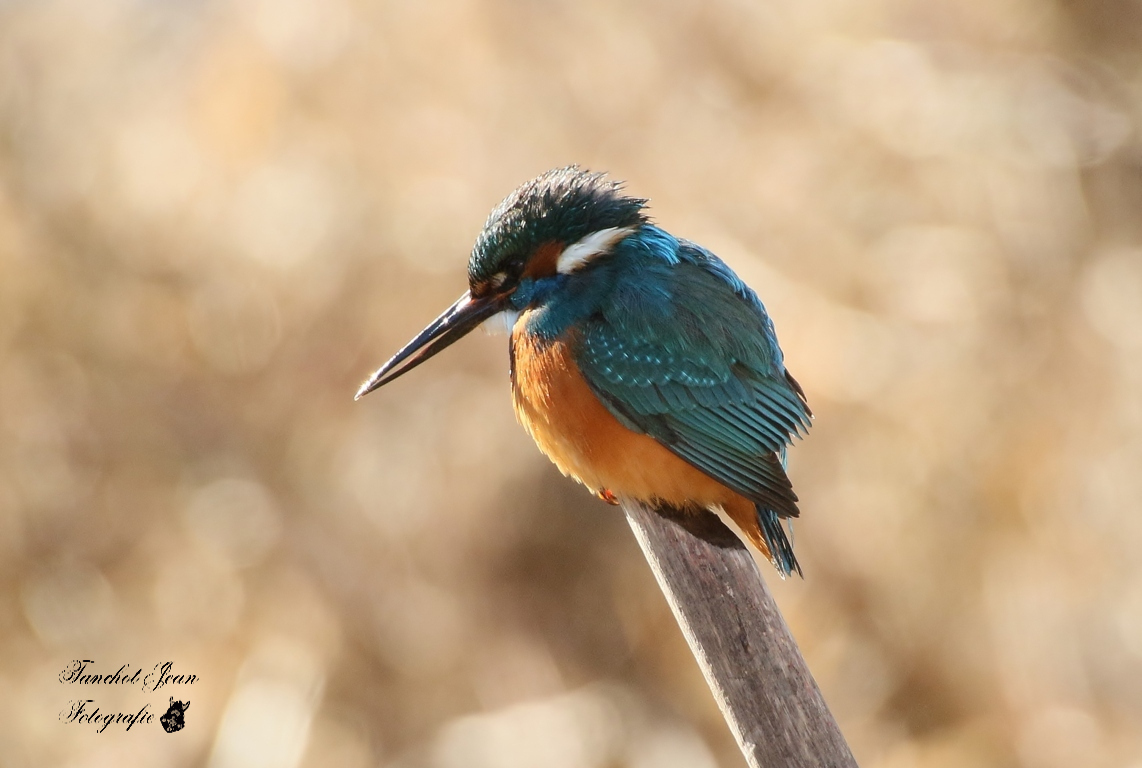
(608,497)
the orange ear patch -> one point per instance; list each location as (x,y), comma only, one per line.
(543,262)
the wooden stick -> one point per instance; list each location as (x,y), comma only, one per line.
(745,650)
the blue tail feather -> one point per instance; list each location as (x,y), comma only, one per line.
(780,547)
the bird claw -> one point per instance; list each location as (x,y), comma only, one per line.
(608,497)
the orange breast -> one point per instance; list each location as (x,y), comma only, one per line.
(576,431)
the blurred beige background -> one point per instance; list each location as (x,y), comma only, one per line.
(216,218)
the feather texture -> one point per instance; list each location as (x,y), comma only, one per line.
(686,354)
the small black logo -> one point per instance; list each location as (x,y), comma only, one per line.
(173,720)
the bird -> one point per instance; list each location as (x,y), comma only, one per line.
(640,363)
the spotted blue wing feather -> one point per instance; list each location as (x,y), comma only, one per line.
(687,355)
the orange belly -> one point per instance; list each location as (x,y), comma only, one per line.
(576,431)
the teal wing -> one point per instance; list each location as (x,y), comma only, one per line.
(688,356)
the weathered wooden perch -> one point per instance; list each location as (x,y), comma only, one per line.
(745,650)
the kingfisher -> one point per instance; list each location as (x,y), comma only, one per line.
(640,363)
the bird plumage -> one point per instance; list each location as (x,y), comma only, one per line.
(679,350)
(643,367)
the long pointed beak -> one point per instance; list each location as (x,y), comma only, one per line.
(456,322)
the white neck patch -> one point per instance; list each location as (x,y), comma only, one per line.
(577,255)
(501,323)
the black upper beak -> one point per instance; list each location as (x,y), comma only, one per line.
(457,321)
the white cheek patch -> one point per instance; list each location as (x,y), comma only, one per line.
(501,323)
(577,255)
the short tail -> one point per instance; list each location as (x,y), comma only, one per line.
(778,543)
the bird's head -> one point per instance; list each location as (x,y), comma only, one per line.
(548,229)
